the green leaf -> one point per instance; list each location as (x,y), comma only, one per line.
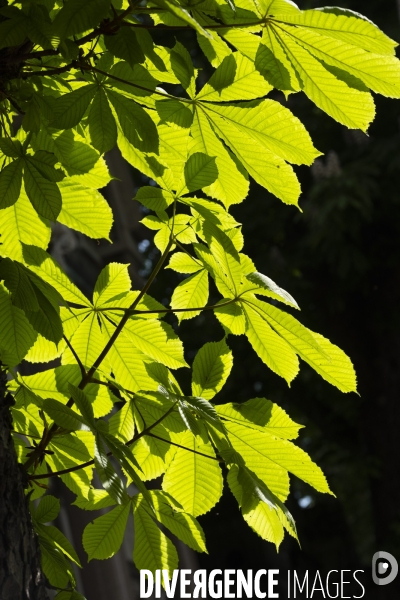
(232,318)
(16,333)
(54,564)
(59,541)
(17,281)
(44,162)
(46,320)
(102,127)
(235,79)
(205,411)
(174,112)
(153,454)
(97,499)
(275,128)
(201,488)
(124,45)
(183,15)
(87,342)
(75,17)
(274,351)
(214,47)
(44,194)
(47,510)
(200,171)
(262,451)
(110,480)
(325,358)
(184,263)
(152,549)
(10,183)
(182,66)
(122,423)
(266,287)
(272,61)
(157,340)
(44,265)
(191,293)
(211,368)
(346,101)
(184,526)
(261,509)
(11,148)
(112,281)
(268,169)
(21,224)
(85,210)
(136,125)
(225,255)
(13,31)
(70,108)
(83,404)
(103,537)
(332,364)
(262,414)
(232,184)
(154,198)
(346,26)
(379,73)
(69,595)
(150,165)
(127,363)
(62,415)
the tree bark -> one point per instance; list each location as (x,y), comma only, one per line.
(21,577)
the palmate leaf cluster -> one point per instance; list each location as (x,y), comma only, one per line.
(76,80)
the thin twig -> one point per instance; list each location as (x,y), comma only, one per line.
(153,435)
(78,360)
(135,85)
(167,310)
(57,71)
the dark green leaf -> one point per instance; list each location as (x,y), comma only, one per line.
(48,509)
(102,127)
(44,162)
(70,108)
(124,45)
(44,195)
(84,405)
(10,183)
(61,414)
(77,16)
(135,123)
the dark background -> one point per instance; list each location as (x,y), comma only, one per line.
(340,259)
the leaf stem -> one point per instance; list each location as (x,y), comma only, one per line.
(78,360)
(168,310)
(157,437)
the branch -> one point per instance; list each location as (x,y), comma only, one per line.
(89,463)
(72,65)
(48,435)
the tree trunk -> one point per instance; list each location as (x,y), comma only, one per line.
(21,577)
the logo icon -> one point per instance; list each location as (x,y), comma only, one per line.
(384,568)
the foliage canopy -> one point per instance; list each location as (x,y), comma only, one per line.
(77,79)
